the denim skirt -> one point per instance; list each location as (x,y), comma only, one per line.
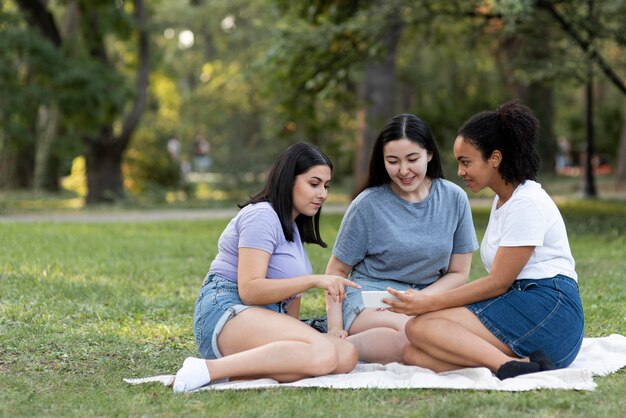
(353,303)
(218,301)
(544,314)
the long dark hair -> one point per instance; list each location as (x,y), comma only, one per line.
(278,190)
(511,129)
(403,126)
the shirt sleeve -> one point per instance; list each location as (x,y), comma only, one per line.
(258,230)
(465,240)
(524,224)
(352,241)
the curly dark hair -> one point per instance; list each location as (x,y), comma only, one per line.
(512,129)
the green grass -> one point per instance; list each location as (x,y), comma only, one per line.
(84,305)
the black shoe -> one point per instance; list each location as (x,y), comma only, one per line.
(544,361)
(516,368)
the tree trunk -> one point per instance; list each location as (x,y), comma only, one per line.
(7,169)
(104,173)
(539,96)
(589,186)
(377,95)
(526,50)
(47,123)
(105,182)
(620,173)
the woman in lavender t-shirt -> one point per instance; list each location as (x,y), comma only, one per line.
(246,316)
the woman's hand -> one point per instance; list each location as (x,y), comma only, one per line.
(341,333)
(410,302)
(335,286)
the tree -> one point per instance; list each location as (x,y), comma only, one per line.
(620,173)
(31,65)
(587,27)
(96,124)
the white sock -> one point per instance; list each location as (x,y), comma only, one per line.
(193,375)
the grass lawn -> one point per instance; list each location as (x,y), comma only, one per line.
(84,305)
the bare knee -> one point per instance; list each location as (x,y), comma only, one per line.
(348,356)
(322,359)
(408,353)
(414,328)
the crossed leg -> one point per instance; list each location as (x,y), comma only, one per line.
(260,343)
(379,336)
(451,339)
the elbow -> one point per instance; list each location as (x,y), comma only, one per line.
(501,287)
(247,296)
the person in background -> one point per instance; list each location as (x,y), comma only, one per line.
(409,228)
(246,316)
(525,315)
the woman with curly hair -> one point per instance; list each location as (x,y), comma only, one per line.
(525,315)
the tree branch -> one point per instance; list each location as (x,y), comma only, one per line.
(584,44)
(141,85)
(39,17)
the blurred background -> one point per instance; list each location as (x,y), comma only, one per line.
(186,103)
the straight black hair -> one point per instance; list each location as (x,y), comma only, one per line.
(405,126)
(278,190)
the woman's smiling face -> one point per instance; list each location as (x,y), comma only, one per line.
(477,172)
(406,163)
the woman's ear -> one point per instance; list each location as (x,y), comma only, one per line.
(495,159)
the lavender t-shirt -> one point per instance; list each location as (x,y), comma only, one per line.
(257,226)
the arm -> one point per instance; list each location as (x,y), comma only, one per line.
(256,289)
(333,309)
(507,265)
(458,272)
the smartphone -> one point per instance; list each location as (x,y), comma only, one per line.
(372,298)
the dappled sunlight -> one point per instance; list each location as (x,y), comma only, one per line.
(35,204)
(176,196)
(205,192)
(141,331)
(186,39)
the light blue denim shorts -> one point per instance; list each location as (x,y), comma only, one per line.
(353,303)
(533,315)
(218,301)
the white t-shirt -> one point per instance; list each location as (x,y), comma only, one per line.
(530,218)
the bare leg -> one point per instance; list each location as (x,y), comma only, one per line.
(258,342)
(346,361)
(379,336)
(454,338)
(413,355)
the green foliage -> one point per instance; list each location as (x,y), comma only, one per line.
(29,64)
(148,166)
(77,180)
(263,74)
(36,72)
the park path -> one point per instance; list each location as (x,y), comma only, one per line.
(135,215)
(157,215)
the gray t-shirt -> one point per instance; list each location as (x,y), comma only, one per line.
(386,237)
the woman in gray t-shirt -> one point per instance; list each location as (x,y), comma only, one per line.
(408,229)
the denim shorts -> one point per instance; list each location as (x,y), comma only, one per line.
(218,301)
(544,314)
(353,303)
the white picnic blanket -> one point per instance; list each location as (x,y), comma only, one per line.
(597,357)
